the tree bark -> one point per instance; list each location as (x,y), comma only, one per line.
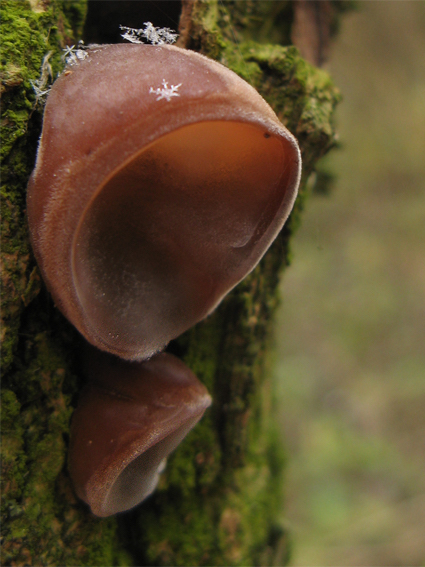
(218,501)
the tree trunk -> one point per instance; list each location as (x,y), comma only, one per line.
(218,500)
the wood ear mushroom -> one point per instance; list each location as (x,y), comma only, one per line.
(130,417)
(161,180)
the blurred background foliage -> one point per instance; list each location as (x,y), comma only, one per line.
(351,333)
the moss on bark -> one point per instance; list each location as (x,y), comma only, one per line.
(218,499)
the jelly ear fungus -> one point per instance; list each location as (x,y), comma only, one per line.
(130,417)
(161,180)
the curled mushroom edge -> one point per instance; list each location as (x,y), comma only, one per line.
(130,417)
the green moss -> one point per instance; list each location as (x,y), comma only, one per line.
(266,21)
(29,33)
(74,12)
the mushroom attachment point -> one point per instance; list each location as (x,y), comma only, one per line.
(161,179)
(130,417)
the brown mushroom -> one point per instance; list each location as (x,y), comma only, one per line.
(130,417)
(161,180)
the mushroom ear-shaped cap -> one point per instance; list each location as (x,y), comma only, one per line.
(129,418)
(161,180)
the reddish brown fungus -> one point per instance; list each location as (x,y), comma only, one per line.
(130,416)
(161,179)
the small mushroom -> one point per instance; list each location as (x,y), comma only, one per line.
(161,180)
(130,417)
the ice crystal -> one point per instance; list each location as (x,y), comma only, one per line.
(153,35)
(165,91)
(40,85)
(75,54)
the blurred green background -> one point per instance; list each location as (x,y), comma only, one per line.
(351,332)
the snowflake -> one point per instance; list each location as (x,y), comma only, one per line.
(73,55)
(39,93)
(165,91)
(155,36)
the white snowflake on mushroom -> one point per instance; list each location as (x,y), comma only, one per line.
(165,91)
